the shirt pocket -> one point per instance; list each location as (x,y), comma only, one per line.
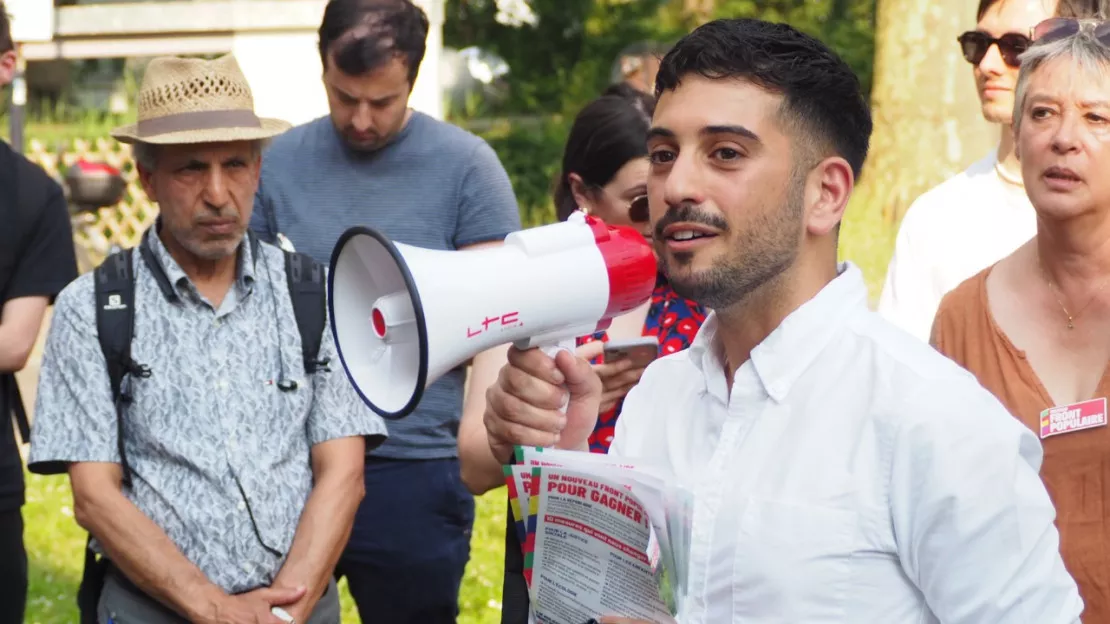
(793,562)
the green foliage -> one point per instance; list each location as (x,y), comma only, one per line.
(58,125)
(563,60)
(531,151)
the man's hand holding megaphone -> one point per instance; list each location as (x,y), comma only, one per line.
(524,406)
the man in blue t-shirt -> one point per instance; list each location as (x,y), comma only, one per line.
(422,182)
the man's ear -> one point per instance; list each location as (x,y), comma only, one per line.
(7,67)
(828,187)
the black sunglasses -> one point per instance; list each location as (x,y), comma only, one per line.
(638,210)
(975,44)
(1056,28)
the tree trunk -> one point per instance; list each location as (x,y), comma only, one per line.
(928,124)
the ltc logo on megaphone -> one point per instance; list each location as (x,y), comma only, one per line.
(511,319)
(403,316)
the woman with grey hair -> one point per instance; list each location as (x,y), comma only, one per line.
(1035,327)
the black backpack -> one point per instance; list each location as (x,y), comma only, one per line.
(115,324)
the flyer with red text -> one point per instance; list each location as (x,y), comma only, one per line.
(604,536)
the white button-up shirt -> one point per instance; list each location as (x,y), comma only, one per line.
(949,234)
(852,475)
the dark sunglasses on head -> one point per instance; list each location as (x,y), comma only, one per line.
(975,44)
(1056,28)
(638,210)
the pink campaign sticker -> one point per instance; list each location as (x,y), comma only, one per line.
(1074,417)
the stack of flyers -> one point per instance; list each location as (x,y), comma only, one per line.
(600,535)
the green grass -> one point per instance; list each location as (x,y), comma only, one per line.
(55,549)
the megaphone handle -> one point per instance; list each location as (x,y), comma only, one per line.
(567,344)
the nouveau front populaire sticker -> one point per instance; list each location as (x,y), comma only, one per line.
(1074,417)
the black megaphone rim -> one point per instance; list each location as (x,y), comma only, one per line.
(418,314)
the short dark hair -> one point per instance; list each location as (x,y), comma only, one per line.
(5,30)
(822,97)
(362,35)
(607,133)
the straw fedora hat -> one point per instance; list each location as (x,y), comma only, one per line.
(188,100)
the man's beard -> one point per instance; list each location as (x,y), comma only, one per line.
(763,252)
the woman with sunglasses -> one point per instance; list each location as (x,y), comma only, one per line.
(604,173)
(1034,328)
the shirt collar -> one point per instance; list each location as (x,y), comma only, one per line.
(788,351)
(175,275)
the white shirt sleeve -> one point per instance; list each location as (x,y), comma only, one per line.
(972,520)
(908,299)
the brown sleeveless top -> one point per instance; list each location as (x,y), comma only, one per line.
(1076,468)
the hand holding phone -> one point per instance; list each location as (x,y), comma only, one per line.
(642,351)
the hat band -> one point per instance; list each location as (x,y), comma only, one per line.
(198,120)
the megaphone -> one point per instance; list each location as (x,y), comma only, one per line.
(403,316)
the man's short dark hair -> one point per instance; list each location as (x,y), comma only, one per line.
(822,100)
(5,30)
(362,35)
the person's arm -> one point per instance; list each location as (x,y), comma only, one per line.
(480,471)
(20,321)
(973,522)
(46,263)
(147,557)
(488,212)
(325,524)
(340,429)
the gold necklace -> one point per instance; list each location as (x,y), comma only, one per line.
(1056,293)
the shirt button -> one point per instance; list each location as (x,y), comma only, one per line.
(242,505)
(247,568)
(222,384)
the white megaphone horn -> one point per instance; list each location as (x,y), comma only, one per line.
(403,316)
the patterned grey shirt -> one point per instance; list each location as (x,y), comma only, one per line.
(219,455)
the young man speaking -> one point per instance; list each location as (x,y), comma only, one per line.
(843,470)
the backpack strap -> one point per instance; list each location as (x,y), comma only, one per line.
(306,289)
(115,325)
(9,390)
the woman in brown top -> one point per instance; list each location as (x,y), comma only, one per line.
(1035,327)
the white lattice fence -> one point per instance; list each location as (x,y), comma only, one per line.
(122,224)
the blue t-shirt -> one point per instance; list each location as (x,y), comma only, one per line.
(435,186)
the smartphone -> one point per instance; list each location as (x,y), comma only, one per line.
(641,350)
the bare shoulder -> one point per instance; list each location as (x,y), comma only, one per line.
(1010,276)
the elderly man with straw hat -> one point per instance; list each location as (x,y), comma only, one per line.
(222,485)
